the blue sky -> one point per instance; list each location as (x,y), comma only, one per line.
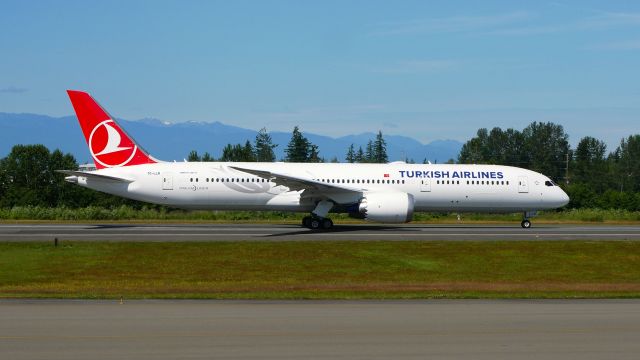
(425,69)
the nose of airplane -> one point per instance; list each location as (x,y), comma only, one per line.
(564,198)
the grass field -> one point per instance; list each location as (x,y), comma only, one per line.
(321,270)
(128,214)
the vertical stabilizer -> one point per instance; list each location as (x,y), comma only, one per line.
(109,144)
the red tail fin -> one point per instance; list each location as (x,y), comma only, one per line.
(108,143)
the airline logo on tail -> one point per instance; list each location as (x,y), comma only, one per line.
(109,144)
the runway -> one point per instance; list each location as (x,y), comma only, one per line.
(268,232)
(469,329)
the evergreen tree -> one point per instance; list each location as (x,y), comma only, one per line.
(264,147)
(360,158)
(228,153)
(314,154)
(206,157)
(369,154)
(298,149)
(193,156)
(248,155)
(380,150)
(238,153)
(351,155)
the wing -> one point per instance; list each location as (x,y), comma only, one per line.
(93,175)
(296,183)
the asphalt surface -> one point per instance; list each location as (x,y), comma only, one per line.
(452,329)
(268,232)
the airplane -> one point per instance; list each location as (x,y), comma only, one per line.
(386,193)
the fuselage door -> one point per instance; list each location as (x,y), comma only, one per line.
(523,184)
(425,185)
(167,182)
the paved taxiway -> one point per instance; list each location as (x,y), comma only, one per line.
(469,329)
(268,232)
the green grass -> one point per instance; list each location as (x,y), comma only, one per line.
(321,270)
(128,214)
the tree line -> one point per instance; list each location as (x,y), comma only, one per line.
(592,176)
(28,177)
(299,149)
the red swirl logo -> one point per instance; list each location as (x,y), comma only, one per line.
(110,146)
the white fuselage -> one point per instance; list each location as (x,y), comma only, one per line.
(435,187)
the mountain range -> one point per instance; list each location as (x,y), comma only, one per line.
(174,141)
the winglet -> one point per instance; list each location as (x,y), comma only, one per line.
(109,144)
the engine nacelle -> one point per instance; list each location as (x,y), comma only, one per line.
(388,207)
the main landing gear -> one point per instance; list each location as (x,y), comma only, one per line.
(318,219)
(525,223)
(317,223)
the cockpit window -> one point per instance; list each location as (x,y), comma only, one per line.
(550,183)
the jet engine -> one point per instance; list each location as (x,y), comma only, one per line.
(388,207)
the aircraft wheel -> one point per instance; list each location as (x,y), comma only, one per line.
(306,221)
(314,224)
(327,224)
(525,224)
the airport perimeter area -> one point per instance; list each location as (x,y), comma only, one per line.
(200,291)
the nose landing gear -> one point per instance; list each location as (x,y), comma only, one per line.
(526,223)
